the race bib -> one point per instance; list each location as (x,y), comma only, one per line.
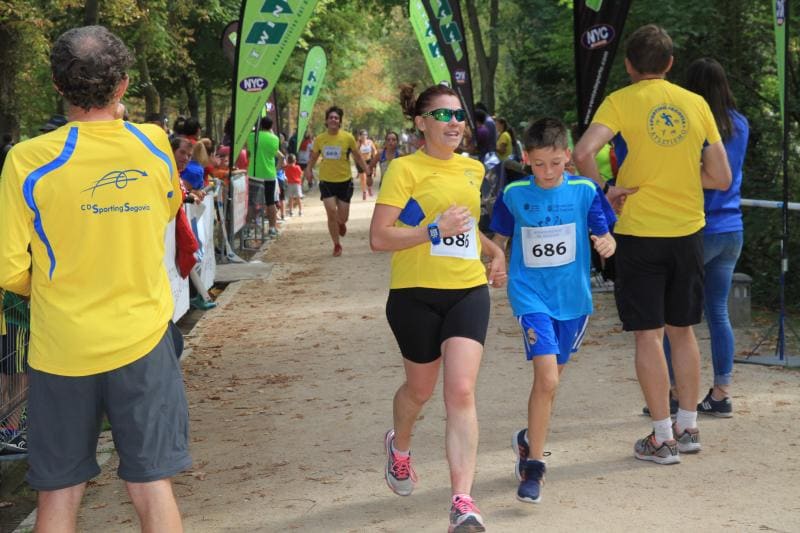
(332,152)
(548,246)
(463,245)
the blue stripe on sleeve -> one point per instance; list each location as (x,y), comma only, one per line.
(412,214)
(30,183)
(150,146)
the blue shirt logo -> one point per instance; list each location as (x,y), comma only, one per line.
(118,178)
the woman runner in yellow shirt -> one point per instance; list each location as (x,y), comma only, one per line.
(438,306)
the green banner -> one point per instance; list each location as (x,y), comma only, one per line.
(594,5)
(269,30)
(313,76)
(779,11)
(428,43)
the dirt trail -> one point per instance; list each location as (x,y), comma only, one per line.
(290,383)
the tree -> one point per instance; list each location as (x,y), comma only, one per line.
(487,63)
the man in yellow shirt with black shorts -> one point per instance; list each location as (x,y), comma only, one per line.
(674,151)
(83,214)
(335,178)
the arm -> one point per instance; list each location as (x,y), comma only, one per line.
(281,160)
(384,236)
(15,236)
(586,150)
(496,270)
(360,163)
(715,172)
(312,160)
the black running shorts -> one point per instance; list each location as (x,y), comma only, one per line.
(342,191)
(422,319)
(659,280)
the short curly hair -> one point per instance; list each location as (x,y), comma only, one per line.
(88,65)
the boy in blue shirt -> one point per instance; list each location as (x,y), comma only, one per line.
(549,215)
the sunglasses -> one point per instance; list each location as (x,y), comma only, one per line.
(444,115)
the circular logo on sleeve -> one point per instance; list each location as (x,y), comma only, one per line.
(667,125)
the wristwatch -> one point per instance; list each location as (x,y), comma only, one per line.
(605,187)
(433,233)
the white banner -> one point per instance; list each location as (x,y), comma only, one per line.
(180,286)
(201,218)
(239,185)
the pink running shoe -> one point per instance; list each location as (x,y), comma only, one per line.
(465,516)
(399,473)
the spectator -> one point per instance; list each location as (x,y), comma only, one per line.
(100,304)
(659,260)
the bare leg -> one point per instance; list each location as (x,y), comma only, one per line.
(343,211)
(333,221)
(156,506)
(651,369)
(58,509)
(272,216)
(462,360)
(540,403)
(411,397)
(685,365)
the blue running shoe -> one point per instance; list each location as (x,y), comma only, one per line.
(521,451)
(530,488)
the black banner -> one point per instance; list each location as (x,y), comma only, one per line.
(447,24)
(598,31)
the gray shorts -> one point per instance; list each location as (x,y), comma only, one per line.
(145,403)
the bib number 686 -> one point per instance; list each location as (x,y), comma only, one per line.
(461,240)
(549,249)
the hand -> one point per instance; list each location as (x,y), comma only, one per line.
(616,196)
(604,244)
(454,221)
(496,271)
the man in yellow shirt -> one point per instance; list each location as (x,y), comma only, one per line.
(83,213)
(659,261)
(335,178)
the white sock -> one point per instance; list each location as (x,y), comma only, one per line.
(400,453)
(685,420)
(662,430)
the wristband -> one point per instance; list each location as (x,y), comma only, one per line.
(434,234)
(606,187)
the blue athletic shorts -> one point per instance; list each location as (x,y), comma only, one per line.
(543,335)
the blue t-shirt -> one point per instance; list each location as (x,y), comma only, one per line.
(549,268)
(723,208)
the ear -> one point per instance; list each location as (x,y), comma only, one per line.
(419,122)
(669,66)
(121,88)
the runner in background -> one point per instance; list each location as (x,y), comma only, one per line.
(389,152)
(368,152)
(438,307)
(335,147)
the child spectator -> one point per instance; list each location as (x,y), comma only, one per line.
(294,177)
(549,215)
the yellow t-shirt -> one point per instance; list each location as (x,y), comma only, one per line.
(664,127)
(334,152)
(92,200)
(505,137)
(424,187)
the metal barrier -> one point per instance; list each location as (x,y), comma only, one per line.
(15,329)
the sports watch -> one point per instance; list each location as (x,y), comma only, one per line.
(433,233)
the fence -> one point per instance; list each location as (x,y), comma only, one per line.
(15,329)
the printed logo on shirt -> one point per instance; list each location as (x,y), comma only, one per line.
(667,125)
(117,178)
(127,207)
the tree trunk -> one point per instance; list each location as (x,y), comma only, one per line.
(209,94)
(192,98)
(90,13)
(151,96)
(9,119)
(487,63)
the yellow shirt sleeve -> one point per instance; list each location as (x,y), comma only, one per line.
(15,229)
(396,186)
(608,115)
